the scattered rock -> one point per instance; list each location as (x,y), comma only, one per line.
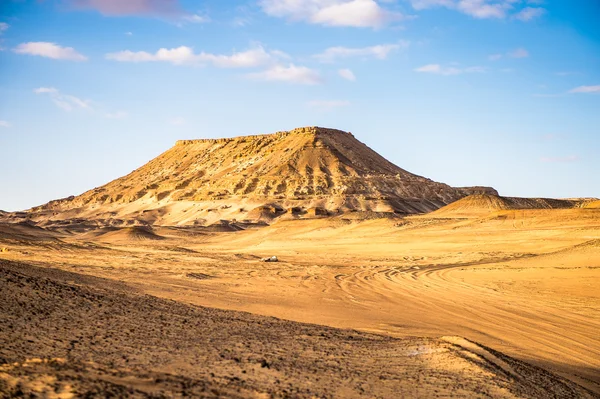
(199,276)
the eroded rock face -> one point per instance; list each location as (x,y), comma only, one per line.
(478,190)
(306,168)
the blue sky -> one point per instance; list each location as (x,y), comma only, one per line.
(504,93)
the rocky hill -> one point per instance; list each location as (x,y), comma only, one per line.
(307,171)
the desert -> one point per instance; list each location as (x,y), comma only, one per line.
(483,296)
(312,199)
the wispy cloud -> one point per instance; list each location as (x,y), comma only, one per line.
(586,89)
(290,74)
(570,158)
(3,27)
(327,105)
(196,18)
(41,90)
(516,53)
(519,53)
(347,74)
(244,16)
(184,55)
(116,115)
(49,50)
(66,102)
(5,124)
(529,13)
(380,51)
(438,69)
(566,73)
(483,9)
(353,13)
(170,10)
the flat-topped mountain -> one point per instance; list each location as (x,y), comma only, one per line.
(306,170)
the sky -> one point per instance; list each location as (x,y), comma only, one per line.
(501,93)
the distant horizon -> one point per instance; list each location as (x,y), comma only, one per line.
(495,93)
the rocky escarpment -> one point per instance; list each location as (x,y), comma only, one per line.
(303,169)
(477,190)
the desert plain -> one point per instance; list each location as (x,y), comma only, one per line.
(480,298)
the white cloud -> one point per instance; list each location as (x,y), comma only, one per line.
(49,50)
(183,55)
(3,27)
(519,53)
(586,89)
(129,33)
(196,19)
(438,69)
(116,115)
(66,102)
(354,13)
(347,74)
(483,9)
(529,13)
(41,90)
(290,74)
(5,124)
(380,51)
(328,105)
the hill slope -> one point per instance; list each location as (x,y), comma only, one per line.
(482,204)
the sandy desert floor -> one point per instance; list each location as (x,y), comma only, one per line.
(523,283)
